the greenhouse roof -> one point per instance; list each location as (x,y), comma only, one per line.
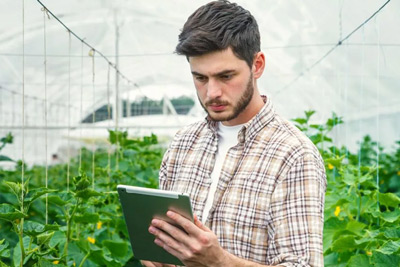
(329,56)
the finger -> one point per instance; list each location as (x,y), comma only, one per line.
(172,231)
(186,224)
(199,224)
(178,254)
(166,234)
(147,264)
(155,264)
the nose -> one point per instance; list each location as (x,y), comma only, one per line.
(213,89)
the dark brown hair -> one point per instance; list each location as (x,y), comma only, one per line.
(217,26)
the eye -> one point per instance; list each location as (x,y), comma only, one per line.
(200,78)
(226,76)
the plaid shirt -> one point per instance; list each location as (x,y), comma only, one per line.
(269,203)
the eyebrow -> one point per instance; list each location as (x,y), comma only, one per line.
(215,75)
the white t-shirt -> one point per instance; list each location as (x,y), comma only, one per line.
(227,138)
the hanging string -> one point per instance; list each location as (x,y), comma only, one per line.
(93,116)
(81,110)
(277,47)
(340,42)
(378,115)
(109,122)
(23,117)
(45,109)
(36,98)
(69,114)
(118,72)
(13,113)
(360,108)
(346,99)
(117,104)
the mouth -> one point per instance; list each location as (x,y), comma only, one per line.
(217,107)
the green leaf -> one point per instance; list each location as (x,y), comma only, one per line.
(349,179)
(15,188)
(9,213)
(317,138)
(33,229)
(387,216)
(58,238)
(5,158)
(81,182)
(36,193)
(117,249)
(367,242)
(355,227)
(383,260)
(309,113)
(359,260)
(317,126)
(390,247)
(392,233)
(389,200)
(45,263)
(75,254)
(118,137)
(17,251)
(4,251)
(86,218)
(344,243)
(331,226)
(51,227)
(300,121)
(337,162)
(8,139)
(97,256)
(87,193)
(124,165)
(55,199)
(44,239)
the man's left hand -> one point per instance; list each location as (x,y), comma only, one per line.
(197,247)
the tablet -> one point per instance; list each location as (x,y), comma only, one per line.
(140,205)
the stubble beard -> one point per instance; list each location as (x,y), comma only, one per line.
(237,109)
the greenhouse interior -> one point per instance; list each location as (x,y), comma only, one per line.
(92,93)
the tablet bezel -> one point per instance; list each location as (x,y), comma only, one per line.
(140,205)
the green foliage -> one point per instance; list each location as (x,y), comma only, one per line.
(8,139)
(362,201)
(85,225)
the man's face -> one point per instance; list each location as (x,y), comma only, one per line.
(224,85)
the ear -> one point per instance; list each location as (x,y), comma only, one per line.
(258,65)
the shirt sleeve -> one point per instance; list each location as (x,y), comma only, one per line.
(297,215)
(162,176)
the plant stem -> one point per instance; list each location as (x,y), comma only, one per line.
(359,202)
(84,259)
(69,223)
(20,238)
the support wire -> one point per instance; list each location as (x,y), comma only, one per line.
(93,116)
(339,43)
(69,110)
(45,110)
(378,115)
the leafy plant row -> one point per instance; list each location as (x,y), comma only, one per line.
(84,225)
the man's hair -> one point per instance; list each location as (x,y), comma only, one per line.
(217,26)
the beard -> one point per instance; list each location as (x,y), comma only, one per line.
(240,106)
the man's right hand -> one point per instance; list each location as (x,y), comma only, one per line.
(155,264)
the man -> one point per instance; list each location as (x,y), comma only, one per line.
(257,184)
